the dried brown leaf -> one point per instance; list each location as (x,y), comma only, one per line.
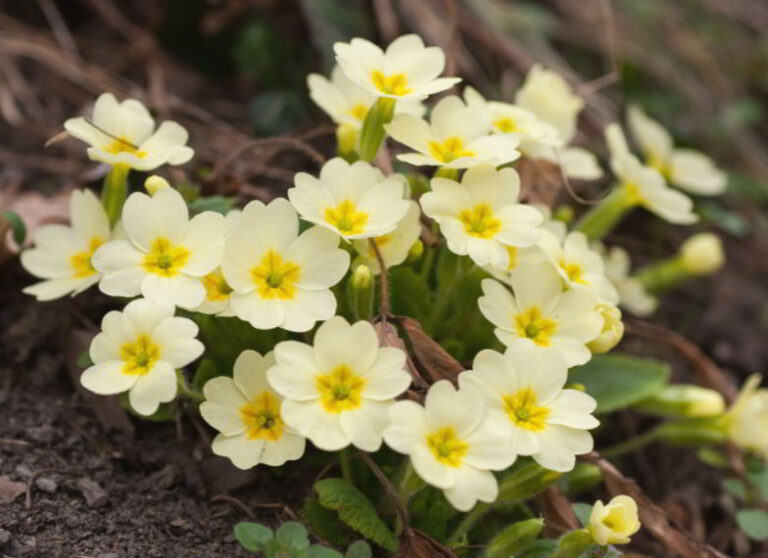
(653,518)
(415,544)
(435,361)
(10,490)
(557,511)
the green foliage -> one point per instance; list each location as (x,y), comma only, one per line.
(583,477)
(735,488)
(514,539)
(84,359)
(18,229)
(411,295)
(431,513)
(754,523)
(359,549)
(582,512)
(618,380)
(290,541)
(205,371)
(252,536)
(219,204)
(542,548)
(525,479)
(326,523)
(355,510)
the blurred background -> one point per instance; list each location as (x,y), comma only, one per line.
(234,70)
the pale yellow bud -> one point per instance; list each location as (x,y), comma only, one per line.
(685,400)
(746,422)
(361,277)
(702,254)
(155,183)
(347,137)
(614,523)
(612,332)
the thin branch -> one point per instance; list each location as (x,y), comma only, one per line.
(384,306)
(397,502)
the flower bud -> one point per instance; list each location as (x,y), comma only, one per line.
(614,523)
(155,183)
(684,400)
(346,140)
(612,332)
(746,422)
(361,277)
(702,254)
(360,292)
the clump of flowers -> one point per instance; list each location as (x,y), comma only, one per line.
(369,308)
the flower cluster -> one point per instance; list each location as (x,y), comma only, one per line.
(550,288)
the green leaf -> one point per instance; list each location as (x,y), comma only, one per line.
(431,513)
(84,359)
(618,380)
(582,511)
(514,539)
(754,523)
(355,510)
(317,551)
(205,371)
(18,228)
(359,549)
(326,524)
(543,548)
(252,536)
(219,204)
(713,457)
(293,535)
(736,488)
(760,479)
(525,479)
(410,293)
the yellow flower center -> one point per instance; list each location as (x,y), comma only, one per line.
(506,124)
(216,288)
(165,259)
(358,111)
(139,356)
(660,164)
(81,261)
(447,447)
(122,145)
(346,218)
(340,390)
(480,221)
(396,84)
(275,278)
(633,194)
(452,148)
(261,417)
(574,272)
(522,410)
(616,520)
(534,326)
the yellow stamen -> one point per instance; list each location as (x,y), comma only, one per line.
(534,326)
(262,418)
(139,356)
(506,124)
(340,390)
(346,218)
(574,272)
(358,111)
(451,148)
(480,221)
(275,278)
(447,447)
(514,255)
(122,145)
(164,259)
(81,261)
(396,84)
(522,409)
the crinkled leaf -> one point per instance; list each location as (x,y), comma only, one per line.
(619,380)
(359,549)
(317,551)
(754,523)
(355,510)
(326,524)
(293,534)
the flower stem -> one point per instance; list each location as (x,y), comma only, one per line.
(185,390)
(468,522)
(373,133)
(632,444)
(346,466)
(663,275)
(114,191)
(603,217)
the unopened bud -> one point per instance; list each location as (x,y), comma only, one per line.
(155,183)
(612,332)
(347,137)
(615,522)
(360,292)
(362,277)
(684,400)
(702,254)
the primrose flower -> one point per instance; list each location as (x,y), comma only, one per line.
(124,134)
(353,200)
(548,96)
(615,522)
(481,216)
(406,70)
(612,332)
(217,290)
(394,247)
(746,422)
(347,105)
(246,412)
(524,389)
(645,186)
(454,138)
(579,265)
(138,351)
(453,443)
(688,169)
(632,293)
(281,278)
(165,254)
(337,392)
(62,255)
(506,118)
(540,313)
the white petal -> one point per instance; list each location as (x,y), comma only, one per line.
(365,424)
(107,378)
(157,386)
(338,343)
(179,290)
(243,453)
(470,486)
(221,409)
(311,421)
